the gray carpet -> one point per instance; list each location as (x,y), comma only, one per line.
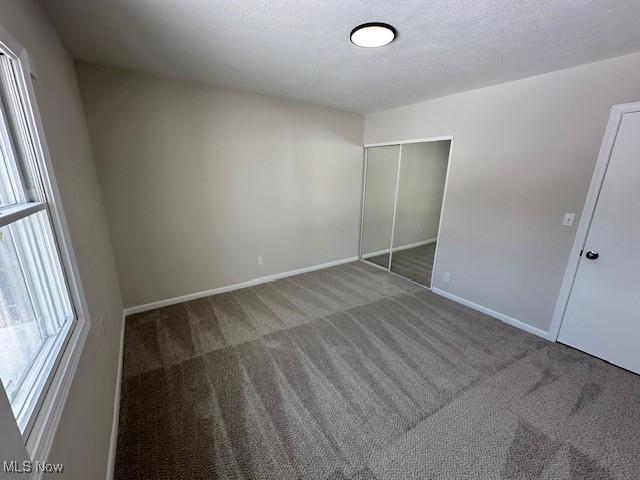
(354,373)
(416,263)
(381,260)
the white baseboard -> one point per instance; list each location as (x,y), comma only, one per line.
(403,247)
(236,286)
(492,313)
(111,462)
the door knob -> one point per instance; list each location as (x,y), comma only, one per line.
(591,255)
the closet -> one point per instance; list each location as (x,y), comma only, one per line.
(402,201)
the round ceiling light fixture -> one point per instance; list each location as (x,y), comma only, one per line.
(374,34)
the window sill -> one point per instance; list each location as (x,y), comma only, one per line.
(26,402)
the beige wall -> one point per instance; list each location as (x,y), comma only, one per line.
(523,154)
(199,181)
(422,174)
(82,439)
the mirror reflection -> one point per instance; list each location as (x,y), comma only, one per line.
(380,189)
(423,169)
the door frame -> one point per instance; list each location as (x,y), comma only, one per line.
(604,156)
(444,197)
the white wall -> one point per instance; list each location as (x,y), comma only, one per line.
(12,447)
(422,174)
(82,439)
(523,154)
(199,181)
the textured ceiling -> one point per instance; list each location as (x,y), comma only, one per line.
(300,48)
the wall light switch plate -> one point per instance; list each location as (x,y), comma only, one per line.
(447,277)
(259,260)
(568,219)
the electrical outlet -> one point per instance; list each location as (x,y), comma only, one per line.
(447,277)
(259,260)
(101,323)
(568,219)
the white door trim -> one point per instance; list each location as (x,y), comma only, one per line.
(364,192)
(444,199)
(615,118)
(404,142)
(395,207)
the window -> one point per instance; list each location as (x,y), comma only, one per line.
(37,315)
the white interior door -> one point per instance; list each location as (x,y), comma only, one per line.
(603,314)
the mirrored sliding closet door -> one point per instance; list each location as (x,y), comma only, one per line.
(404,189)
(381,173)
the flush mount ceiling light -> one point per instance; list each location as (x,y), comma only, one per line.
(375,34)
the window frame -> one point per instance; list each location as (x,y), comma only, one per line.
(43,422)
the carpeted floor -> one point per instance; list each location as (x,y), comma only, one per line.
(416,263)
(381,260)
(354,373)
